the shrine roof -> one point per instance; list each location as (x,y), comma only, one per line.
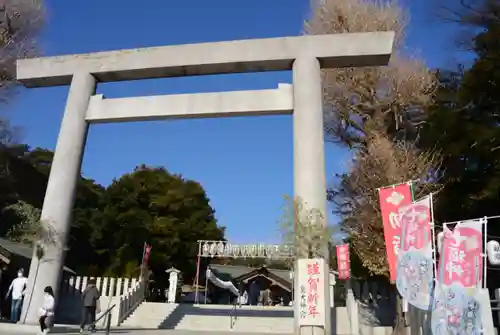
(8,247)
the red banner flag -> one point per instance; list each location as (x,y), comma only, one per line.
(147,253)
(343,262)
(392,198)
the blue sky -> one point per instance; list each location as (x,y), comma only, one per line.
(245,164)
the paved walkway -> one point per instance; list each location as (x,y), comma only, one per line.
(12,329)
(142,332)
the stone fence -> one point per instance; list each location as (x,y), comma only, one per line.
(125,293)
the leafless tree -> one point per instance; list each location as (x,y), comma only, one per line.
(20,24)
(468,17)
(304,228)
(388,99)
(31,230)
(365,108)
(384,162)
(378,112)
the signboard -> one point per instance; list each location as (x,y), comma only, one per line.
(223,249)
(343,262)
(393,198)
(311,296)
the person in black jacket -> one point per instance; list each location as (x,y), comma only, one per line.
(253,294)
(90,301)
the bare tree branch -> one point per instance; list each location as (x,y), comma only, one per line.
(32,230)
(304,228)
(468,17)
(359,100)
(20,23)
(356,198)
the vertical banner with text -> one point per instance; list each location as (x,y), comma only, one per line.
(311,298)
(343,262)
(461,305)
(393,198)
(415,271)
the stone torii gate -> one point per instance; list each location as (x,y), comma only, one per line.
(305,55)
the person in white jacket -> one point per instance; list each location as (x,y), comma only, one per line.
(47,310)
(17,288)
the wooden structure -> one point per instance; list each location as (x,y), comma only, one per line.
(278,282)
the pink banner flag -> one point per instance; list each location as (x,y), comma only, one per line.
(461,305)
(462,255)
(343,262)
(415,275)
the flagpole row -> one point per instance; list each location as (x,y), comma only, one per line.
(481,218)
(397,184)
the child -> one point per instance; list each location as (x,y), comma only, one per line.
(47,310)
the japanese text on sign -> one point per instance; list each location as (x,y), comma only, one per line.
(343,263)
(312,292)
(391,200)
(462,256)
(416,225)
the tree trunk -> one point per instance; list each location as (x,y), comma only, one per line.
(399,321)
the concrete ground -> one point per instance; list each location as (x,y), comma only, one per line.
(13,329)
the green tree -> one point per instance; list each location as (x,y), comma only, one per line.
(19,181)
(167,211)
(110,225)
(28,175)
(463,125)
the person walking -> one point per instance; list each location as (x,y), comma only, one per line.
(17,288)
(253,294)
(90,305)
(47,310)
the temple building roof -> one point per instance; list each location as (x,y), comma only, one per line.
(245,273)
(10,249)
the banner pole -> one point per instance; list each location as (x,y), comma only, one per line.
(485,256)
(142,260)
(433,234)
(410,182)
(197,278)
(413,316)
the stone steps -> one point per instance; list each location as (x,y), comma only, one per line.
(255,319)
(216,318)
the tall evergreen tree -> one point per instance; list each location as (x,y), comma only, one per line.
(463,125)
